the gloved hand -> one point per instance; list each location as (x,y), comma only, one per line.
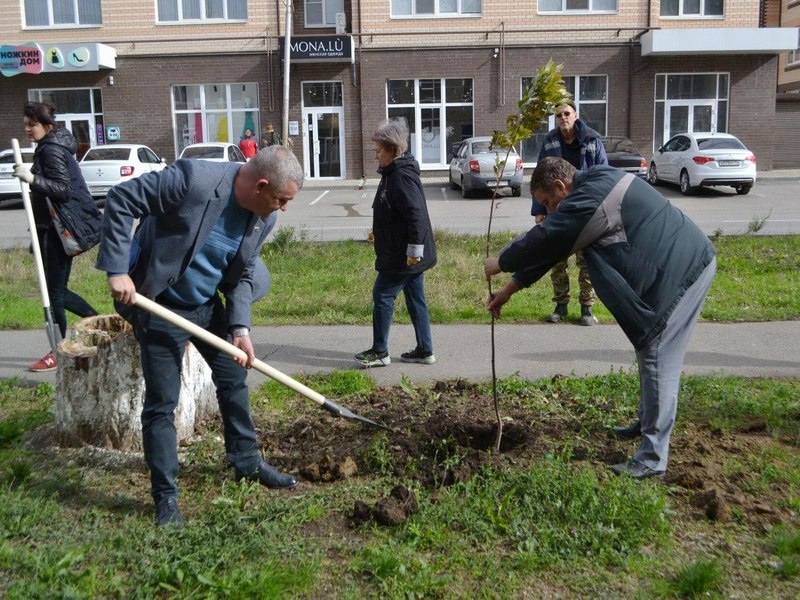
(22,173)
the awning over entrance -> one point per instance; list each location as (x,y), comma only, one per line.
(752,40)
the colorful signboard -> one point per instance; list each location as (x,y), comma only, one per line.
(26,58)
(30,58)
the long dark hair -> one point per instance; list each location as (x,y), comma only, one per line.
(40,112)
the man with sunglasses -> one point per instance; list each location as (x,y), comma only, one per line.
(581,147)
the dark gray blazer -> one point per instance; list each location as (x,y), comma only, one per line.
(177,209)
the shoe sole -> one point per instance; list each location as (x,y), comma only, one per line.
(380,362)
(429,360)
(45,370)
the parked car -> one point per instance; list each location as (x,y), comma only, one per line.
(10,192)
(623,154)
(472,168)
(215,151)
(704,159)
(103,167)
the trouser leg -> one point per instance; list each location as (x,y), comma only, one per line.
(660,365)
(414,292)
(56,265)
(585,284)
(560,279)
(384,293)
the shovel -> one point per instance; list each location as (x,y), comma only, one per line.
(220,344)
(50,326)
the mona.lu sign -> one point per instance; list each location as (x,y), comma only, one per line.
(320,48)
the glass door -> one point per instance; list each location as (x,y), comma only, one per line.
(82,127)
(689,117)
(323,143)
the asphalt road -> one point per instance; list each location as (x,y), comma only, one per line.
(342,211)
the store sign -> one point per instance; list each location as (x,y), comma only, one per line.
(30,58)
(320,48)
(26,58)
(113,133)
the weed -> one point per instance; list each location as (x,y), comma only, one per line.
(699,579)
(756,224)
(19,471)
(282,240)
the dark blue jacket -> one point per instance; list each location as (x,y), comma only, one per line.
(642,252)
(592,153)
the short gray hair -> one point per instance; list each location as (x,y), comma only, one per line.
(548,170)
(392,134)
(279,165)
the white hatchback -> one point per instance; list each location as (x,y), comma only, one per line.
(694,160)
(103,167)
(213,151)
(10,192)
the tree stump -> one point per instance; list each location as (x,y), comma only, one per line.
(100,388)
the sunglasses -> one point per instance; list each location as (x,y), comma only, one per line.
(565,114)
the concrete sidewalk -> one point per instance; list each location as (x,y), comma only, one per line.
(463,351)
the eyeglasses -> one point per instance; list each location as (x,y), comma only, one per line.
(565,114)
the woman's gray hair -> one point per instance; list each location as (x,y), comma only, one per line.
(392,134)
(279,165)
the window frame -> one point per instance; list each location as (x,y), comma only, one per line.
(564,10)
(436,14)
(793,56)
(698,15)
(76,24)
(324,4)
(203,19)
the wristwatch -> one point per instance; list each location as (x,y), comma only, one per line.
(240,332)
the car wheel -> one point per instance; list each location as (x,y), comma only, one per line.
(516,191)
(652,174)
(743,189)
(465,193)
(686,186)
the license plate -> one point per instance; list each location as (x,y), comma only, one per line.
(728,163)
(98,189)
(6,176)
(491,182)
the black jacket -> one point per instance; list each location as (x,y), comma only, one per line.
(58,177)
(400,218)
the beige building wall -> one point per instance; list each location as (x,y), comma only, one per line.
(789,73)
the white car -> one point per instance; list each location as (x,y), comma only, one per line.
(103,167)
(10,192)
(472,168)
(694,160)
(214,151)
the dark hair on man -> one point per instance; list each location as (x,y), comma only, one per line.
(548,170)
(40,112)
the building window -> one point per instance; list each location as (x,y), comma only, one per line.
(438,113)
(692,8)
(794,55)
(180,11)
(436,8)
(322,13)
(688,103)
(214,112)
(590,93)
(50,13)
(570,6)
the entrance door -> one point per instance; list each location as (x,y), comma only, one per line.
(689,117)
(83,128)
(323,143)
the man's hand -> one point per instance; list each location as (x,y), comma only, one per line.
(496,301)
(491,266)
(538,218)
(122,288)
(412,260)
(22,173)
(245,343)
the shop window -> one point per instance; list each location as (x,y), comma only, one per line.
(692,8)
(590,93)
(55,13)
(570,6)
(436,8)
(180,11)
(690,102)
(438,112)
(214,112)
(322,13)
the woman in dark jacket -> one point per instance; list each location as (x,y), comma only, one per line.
(55,175)
(404,247)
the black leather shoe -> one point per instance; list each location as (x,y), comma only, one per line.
(268,476)
(637,470)
(629,432)
(168,514)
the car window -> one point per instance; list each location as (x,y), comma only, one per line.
(8,159)
(462,152)
(719,144)
(481,147)
(147,156)
(204,152)
(107,154)
(238,156)
(620,145)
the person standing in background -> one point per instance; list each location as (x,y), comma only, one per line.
(248,145)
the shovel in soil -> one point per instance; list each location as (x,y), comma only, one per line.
(220,344)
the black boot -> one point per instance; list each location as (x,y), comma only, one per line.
(268,476)
(628,432)
(560,312)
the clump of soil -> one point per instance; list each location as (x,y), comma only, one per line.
(390,510)
(329,470)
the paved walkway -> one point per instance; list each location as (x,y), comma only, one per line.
(463,351)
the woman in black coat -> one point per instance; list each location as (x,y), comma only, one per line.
(55,175)
(404,247)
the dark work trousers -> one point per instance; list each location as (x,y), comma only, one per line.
(162,346)
(660,365)
(57,268)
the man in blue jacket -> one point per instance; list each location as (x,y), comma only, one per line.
(650,265)
(201,231)
(580,146)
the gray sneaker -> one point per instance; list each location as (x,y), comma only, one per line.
(560,312)
(418,356)
(587,318)
(168,514)
(372,358)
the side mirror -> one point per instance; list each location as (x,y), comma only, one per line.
(162,160)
